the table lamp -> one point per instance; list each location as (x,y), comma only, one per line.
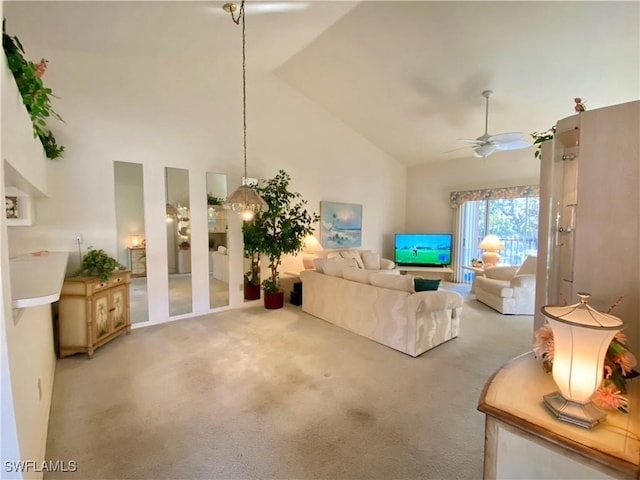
(490,244)
(311,245)
(135,241)
(581,337)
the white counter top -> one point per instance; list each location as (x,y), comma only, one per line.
(37,279)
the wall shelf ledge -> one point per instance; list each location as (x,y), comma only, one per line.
(37,279)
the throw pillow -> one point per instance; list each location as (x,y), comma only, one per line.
(393,282)
(333,255)
(353,254)
(500,273)
(318,263)
(371,260)
(528,267)
(426,284)
(334,266)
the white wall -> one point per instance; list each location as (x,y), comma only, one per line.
(27,358)
(429,185)
(143,110)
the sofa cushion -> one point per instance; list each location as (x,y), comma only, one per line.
(371,260)
(356,275)
(425,284)
(393,282)
(528,267)
(386,264)
(334,266)
(353,254)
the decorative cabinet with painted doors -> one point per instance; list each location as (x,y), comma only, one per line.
(92,312)
(138,261)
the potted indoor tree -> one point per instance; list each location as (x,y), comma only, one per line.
(252,235)
(282,230)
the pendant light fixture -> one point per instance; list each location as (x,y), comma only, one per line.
(244,200)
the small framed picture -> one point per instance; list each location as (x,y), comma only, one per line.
(11,207)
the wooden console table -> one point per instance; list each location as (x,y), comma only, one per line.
(524,440)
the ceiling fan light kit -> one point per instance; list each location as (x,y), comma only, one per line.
(486,144)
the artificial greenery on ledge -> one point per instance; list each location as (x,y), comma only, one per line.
(36,97)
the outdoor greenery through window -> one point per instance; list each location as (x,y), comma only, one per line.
(513,220)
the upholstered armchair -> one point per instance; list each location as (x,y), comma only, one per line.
(509,290)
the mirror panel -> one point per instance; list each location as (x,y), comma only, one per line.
(129,197)
(178,240)
(217,231)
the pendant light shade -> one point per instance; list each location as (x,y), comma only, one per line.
(244,200)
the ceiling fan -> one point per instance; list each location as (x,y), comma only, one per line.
(486,144)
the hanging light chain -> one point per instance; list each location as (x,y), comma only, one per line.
(237,21)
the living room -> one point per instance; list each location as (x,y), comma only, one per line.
(159,84)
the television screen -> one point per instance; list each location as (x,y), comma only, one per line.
(422,249)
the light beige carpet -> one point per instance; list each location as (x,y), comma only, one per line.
(259,394)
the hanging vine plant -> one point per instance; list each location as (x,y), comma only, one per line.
(35,96)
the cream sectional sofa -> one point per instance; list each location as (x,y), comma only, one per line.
(383,307)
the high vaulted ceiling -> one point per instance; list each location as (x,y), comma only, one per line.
(408,76)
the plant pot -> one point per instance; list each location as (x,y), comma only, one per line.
(251,291)
(273,300)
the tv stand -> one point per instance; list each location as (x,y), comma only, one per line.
(442,272)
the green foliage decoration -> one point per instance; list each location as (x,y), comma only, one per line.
(35,96)
(540,137)
(213,200)
(284,226)
(96,262)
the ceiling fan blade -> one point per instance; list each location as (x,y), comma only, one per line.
(471,140)
(459,148)
(506,137)
(517,145)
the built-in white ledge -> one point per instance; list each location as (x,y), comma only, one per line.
(37,279)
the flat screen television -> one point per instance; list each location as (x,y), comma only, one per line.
(422,249)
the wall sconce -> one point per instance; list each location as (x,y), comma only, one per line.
(311,246)
(135,241)
(490,244)
(581,338)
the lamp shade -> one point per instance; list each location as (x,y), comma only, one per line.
(581,337)
(492,243)
(246,201)
(311,244)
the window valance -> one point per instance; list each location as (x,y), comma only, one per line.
(458,198)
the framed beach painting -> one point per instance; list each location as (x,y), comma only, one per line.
(340,225)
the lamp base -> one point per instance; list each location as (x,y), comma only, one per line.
(585,415)
(490,259)
(307,261)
